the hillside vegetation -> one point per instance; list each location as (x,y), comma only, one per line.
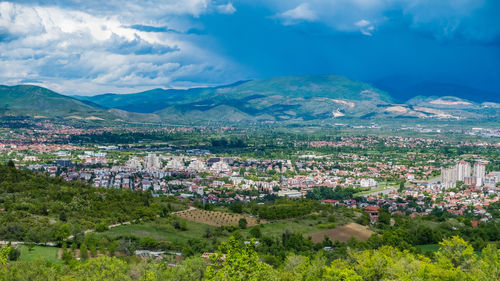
(40,209)
(34,100)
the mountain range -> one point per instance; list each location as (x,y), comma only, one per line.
(280,99)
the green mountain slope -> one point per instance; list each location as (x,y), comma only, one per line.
(294,99)
(34,100)
(275,99)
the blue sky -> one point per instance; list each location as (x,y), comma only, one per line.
(90,47)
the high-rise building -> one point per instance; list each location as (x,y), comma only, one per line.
(449,177)
(153,161)
(480,169)
(134,163)
(491,179)
(470,181)
(463,170)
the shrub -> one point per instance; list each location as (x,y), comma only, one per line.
(101,227)
(242,223)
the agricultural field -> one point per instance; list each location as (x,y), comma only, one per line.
(215,218)
(38,252)
(343,233)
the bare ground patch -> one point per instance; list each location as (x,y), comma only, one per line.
(343,233)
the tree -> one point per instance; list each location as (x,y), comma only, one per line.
(242,223)
(102,268)
(298,267)
(31,270)
(372,265)
(14,254)
(488,267)
(208,233)
(183,225)
(236,207)
(401,186)
(457,252)
(62,216)
(112,247)
(62,232)
(66,255)
(101,227)
(4,255)
(256,232)
(191,269)
(93,250)
(364,219)
(384,217)
(103,244)
(31,246)
(340,271)
(234,261)
(148,243)
(83,252)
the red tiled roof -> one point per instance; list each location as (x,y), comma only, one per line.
(372,208)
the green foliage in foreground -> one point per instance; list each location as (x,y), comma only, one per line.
(455,260)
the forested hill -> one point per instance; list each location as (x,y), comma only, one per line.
(37,208)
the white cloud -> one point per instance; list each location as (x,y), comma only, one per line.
(365,27)
(74,51)
(93,45)
(362,23)
(226,9)
(300,13)
(444,19)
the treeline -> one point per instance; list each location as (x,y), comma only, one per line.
(127,137)
(280,209)
(339,193)
(37,208)
(236,260)
(408,232)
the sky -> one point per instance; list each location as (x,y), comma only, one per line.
(87,47)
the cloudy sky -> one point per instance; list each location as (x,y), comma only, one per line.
(94,46)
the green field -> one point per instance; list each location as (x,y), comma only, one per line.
(38,252)
(161,231)
(374,191)
(298,225)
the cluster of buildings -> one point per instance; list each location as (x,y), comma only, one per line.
(226,179)
(198,174)
(469,175)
